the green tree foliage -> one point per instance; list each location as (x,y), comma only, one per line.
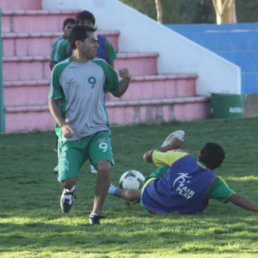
(247,11)
(193,11)
(177,11)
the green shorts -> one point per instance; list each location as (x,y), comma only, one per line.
(72,154)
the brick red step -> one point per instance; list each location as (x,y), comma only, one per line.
(34,21)
(159,86)
(138,63)
(141,87)
(20,5)
(158,110)
(40,44)
(37,67)
(27,118)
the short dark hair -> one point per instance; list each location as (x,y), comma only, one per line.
(79,33)
(85,15)
(68,20)
(212,155)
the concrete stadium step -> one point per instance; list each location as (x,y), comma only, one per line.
(21,93)
(159,86)
(27,118)
(26,93)
(40,44)
(26,68)
(37,67)
(34,21)
(158,110)
(20,4)
(138,64)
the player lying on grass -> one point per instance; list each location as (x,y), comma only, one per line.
(181,183)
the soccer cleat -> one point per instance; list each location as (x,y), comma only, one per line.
(66,200)
(56,169)
(176,134)
(93,170)
(94,219)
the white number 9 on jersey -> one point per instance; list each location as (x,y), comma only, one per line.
(103,146)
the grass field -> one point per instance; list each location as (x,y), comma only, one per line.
(32,224)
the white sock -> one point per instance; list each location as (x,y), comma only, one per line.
(70,190)
(93,214)
(112,189)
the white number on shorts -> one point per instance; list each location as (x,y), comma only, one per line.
(103,146)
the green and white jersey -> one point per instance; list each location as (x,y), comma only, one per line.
(60,50)
(79,89)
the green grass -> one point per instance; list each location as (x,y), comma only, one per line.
(32,224)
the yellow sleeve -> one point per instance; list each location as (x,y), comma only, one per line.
(166,158)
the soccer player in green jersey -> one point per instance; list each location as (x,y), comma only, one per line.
(105,50)
(181,183)
(76,101)
(61,49)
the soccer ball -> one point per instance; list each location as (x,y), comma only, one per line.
(131,179)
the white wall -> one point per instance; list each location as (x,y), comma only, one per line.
(177,54)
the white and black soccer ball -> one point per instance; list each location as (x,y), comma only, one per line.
(131,179)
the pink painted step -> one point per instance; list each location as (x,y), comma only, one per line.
(37,67)
(34,21)
(26,68)
(141,87)
(27,118)
(40,44)
(20,4)
(26,93)
(159,86)
(138,64)
(112,36)
(158,110)
(28,44)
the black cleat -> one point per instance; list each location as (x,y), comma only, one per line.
(66,200)
(94,220)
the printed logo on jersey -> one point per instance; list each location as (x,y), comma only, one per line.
(182,188)
(92,81)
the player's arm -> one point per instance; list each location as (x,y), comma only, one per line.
(56,112)
(67,129)
(124,83)
(174,143)
(243,202)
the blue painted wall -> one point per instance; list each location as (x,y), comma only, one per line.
(237,43)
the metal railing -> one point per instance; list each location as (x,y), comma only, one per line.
(2,109)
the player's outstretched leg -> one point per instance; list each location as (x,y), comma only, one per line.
(176,134)
(126,194)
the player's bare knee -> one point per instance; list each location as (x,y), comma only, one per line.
(69,183)
(104,167)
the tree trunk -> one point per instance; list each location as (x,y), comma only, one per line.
(225,11)
(159,11)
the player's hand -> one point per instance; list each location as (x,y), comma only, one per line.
(67,131)
(124,74)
